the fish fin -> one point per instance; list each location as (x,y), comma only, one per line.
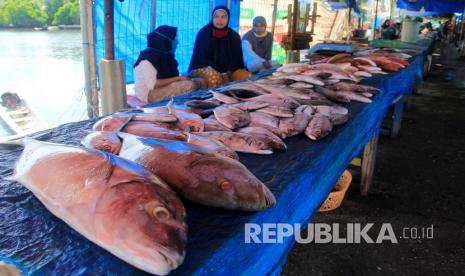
(97,178)
(123,125)
(169,105)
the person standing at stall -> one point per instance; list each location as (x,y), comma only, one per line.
(219,47)
(257,47)
(156,70)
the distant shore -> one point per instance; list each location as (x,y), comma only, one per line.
(45,28)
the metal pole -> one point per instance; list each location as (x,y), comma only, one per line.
(88,49)
(376,17)
(109,30)
(275,14)
(153,17)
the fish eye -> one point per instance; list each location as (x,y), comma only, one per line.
(225,185)
(160,213)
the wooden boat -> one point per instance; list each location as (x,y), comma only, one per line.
(17,117)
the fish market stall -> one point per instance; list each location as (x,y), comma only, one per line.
(300,178)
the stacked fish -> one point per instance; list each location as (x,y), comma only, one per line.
(120,191)
(362,64)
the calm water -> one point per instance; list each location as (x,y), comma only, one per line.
(46,69)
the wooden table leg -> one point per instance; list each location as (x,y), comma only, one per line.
(368,164)
(397,117)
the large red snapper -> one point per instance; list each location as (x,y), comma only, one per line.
(114,203)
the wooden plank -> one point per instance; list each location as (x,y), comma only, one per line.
(397,117)
(368,164)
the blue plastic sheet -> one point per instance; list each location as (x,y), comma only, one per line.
(433,6)
(338,5)
(301,178)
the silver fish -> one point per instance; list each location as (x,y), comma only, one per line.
(319,127)
(240,142)
(231,117)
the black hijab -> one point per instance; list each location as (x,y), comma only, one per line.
(159,52)
(221,53)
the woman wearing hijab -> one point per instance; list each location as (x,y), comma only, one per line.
(156,69)
(217,45)
(257,45)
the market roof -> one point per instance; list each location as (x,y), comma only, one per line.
(433,6)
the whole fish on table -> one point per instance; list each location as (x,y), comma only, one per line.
(213,124)
(354,96)
(241,142)
(332,95)
(297,124)
(203,104)
(270,122)
(197,174)
(250,106)
(303,78)
(354,87)
(319,127)
(287,102)
(266,135)
(112,122)
(211,145)
(151,130)
(247,85)
(282,92)
(224,98)
(336,113)
(103,140)
(231,117)
(277,111)
(116,204)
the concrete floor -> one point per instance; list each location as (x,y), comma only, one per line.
(419,181)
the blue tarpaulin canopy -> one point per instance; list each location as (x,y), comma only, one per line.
(433,6)
(132,21)
(343,4)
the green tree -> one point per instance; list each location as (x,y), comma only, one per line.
(23,13)
(68,14)
(51,7)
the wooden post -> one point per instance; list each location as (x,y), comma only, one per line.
(295,16)
(89,57)
(376,17)
(274,18)
(109,30)
(314,16)
(348,23)
(368,164)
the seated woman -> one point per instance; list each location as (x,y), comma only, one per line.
(388,30)
(156,69)
(257,45)
(219,47)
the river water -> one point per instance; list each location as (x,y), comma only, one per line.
(46,69)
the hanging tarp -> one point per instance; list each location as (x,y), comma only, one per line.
(133,22)
(432,6)
(342,4)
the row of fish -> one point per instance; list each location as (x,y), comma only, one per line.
(361,64)
(122,190)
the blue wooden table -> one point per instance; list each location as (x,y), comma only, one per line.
(301,178)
